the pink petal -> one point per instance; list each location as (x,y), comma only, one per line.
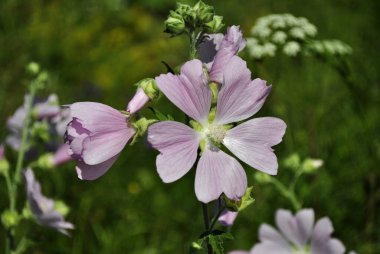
(218,173)
(97,117)
(189,91)
(138,101)
(269,248)
(103,146)
(92,172)
(270,235)
(232,43)
(61,155)
(321,241)
(305,223)
(251,142)
(227,218)
(239,98)
(238,252)
(178,144)
(290,227)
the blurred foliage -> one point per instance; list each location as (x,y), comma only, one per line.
(97,50)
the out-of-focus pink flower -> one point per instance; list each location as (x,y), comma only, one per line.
(96,136)
(298,234)
(138,101)
(61,156)
(43,207)
(227,218)
(239,99)
(218,50)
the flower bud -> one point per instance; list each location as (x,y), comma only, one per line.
(33,68)
(262,178)
(311,165)
(214,25)
(204,12)
(10,219)
(61,207)
(293,161)
(45,161)
(150,88)
(174,24)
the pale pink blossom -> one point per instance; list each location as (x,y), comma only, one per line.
(217,50)
(297,235)
(96,136)
(227,218)
(239,98)
(43,207)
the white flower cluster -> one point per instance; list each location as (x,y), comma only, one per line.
(290,34)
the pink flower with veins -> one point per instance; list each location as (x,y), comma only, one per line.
(98,133)
(239,98)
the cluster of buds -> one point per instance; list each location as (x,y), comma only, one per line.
(186,19)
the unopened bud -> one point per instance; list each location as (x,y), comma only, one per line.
(204,12)
(61,207)
(214,25)
(10,219)
(293,161)
(33,68)
(174,24)
(311,165)
(45,161)
(262,178)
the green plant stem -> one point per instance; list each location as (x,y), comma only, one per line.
(206,220)
(21,153)
(289,194)
(193,45)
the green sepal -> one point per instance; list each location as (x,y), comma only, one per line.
(150,88)
(141,126)
(243,203)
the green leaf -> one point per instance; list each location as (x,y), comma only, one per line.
(160,116)
(216,239)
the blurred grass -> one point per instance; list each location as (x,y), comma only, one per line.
(97,50)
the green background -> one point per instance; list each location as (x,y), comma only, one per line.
(95,50)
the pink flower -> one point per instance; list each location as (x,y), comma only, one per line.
(239,99)
(227,218)
(138,101)
(61,156)
(96,136)
(218,50)
(43,207)
(298,234)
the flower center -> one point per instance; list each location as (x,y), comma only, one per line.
(300,250)
(216,134)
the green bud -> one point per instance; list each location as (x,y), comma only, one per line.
(262,178)
(61,207)
(4,167)
(174,24)
(45,161)
(311,165)
(41,130)
(205,13)
(214,25)
(150,88)
(10,219)
(243,203)
(26,212)
(293,161)
(33,68)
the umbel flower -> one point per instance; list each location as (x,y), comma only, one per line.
(298,235)
(43,207)
(238,99)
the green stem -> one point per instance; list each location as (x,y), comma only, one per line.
(21,153)
(289,194)
(193,45)
(206,220)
